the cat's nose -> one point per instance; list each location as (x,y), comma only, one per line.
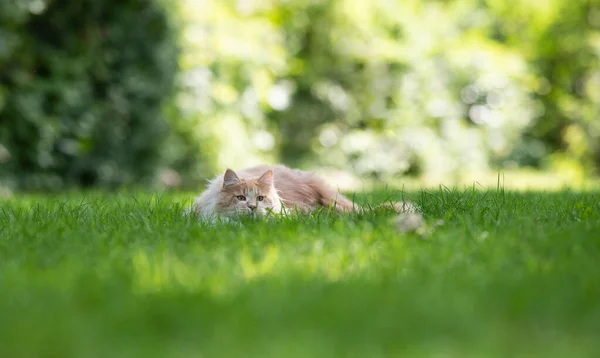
(252,207)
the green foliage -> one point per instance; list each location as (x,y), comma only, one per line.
(390,87)
(562,42)
(382,88)
(507,274)
(81,87)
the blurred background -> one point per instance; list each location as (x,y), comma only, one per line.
(169,92)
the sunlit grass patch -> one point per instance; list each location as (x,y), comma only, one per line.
(499,273)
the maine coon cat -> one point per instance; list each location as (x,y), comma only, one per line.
(271,189)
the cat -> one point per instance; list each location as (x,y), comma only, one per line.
(265,189)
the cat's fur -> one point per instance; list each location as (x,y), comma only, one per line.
(263,189)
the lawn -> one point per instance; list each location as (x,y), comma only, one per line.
(126,275)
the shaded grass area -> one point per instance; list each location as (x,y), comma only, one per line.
(126,275)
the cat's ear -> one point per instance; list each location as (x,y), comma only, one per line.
(266,178)
(230,178)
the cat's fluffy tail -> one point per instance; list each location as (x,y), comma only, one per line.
(330,198)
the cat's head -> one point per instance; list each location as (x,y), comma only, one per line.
(247,196)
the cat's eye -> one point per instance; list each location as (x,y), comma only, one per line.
(241,197)
(260,198)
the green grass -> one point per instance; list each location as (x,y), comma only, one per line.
(126,275)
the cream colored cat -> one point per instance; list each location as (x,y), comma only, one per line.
(271,189)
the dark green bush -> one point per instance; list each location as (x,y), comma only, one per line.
(81,91)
